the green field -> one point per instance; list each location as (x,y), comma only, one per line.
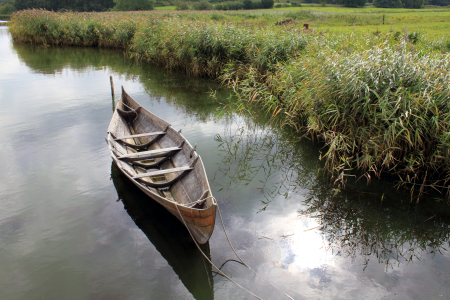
(432,23)
(377,95)
(165,8)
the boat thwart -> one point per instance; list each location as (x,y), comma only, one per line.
(163,164)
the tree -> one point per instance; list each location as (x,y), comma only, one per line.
(352,3)
(413,3)
(123,5)
(3,2)
(387,3)
(248,4)
(56,5)
(439,2)
(7,9)
(203,5)
(267,3)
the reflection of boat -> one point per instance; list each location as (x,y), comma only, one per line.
(162,163)
(168,236)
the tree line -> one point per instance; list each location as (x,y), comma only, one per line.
(9,6)
(384,3)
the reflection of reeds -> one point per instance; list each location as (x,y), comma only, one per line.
(357,224)
(365,222)
(255,155)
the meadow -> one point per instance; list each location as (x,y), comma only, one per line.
(377,95)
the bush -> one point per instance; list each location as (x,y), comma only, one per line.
(352,3)
(216,16)
(127,5)
(7,9)
(229,6)
(181,6)
(267,3)
(248,4)
(413,37)
(204,5)
(388,3)
(413,3)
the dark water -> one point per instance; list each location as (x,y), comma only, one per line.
(72,227)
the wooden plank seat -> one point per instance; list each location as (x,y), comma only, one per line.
(162,172)
(165,153)
(144,153)
(159,135)
(138,135)
(184,170)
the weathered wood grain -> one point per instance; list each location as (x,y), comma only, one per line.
(186,181)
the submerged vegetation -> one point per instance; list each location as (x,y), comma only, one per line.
(379,100)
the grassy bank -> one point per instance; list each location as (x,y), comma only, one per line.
(378,97)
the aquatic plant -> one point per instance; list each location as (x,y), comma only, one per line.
(201,48)
(72,29)
(382,110)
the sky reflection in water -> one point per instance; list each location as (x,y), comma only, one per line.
(64,235)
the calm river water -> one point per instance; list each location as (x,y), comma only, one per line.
(72,227)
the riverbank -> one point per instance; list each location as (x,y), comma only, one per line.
(379,100)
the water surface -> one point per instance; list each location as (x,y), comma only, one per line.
(73,227)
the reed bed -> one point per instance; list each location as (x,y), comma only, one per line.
(203,48)
(380,101)
(42,27)
(381,110)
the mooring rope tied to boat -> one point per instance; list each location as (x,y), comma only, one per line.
(229,242)
(204,255)
(134,110)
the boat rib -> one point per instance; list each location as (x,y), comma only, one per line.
(163,164)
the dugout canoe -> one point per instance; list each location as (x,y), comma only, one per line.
(163,164)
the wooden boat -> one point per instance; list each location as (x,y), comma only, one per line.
(162,163)
(170,240)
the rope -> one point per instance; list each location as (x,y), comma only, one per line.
(223,263)
(135,112)
(195,202)
(220,214)
(204,255)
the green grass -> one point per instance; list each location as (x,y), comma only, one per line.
(165,8)
(378,96)
(5,17)
(433,23)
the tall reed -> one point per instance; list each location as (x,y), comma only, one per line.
(204,49)
(382,110)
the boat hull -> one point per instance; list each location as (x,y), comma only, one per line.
(185,192)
